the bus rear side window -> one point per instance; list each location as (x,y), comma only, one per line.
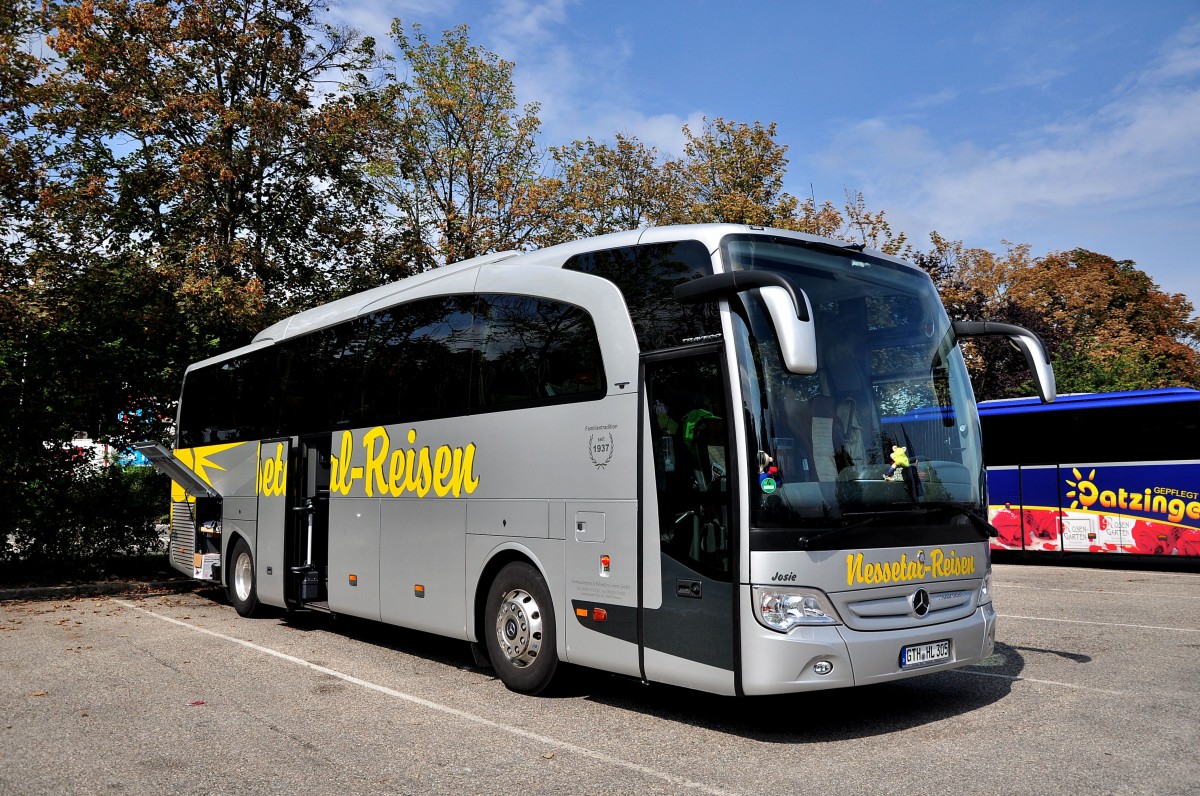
(445,356)
(646,276)
(229,402)
(536,351)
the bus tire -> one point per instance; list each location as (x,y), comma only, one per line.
(519,629)
(243,586)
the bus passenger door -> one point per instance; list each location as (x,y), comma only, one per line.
(293,521)
(1044,525)
(274,513)
(688,633)
(307,548)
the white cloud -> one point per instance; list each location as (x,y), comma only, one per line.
(522,25)
(1180,57)
(1142,148)
(374,17)
(581,83)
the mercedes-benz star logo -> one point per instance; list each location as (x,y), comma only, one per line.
(919,602)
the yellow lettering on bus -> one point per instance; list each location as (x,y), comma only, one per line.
(396,473)
(442,462)
(339,471)
(272,473)
(904,570)
(464,480)
(402,471)
(376,444)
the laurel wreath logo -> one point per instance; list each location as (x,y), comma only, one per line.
(600,450)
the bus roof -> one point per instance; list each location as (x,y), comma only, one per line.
(553,256)
(1090,400)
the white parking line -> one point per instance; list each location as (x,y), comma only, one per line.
(460,714)
(1101,592)
(1105,624)
(1018,679)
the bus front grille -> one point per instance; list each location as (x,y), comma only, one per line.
(894,608)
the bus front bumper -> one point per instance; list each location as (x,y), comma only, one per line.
(813,658)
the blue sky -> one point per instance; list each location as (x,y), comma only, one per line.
(1061,125)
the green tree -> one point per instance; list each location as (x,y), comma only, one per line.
(733,172)
(1105,323)
(225,137)
(1115,319)
(178,174)
(823,219)
(464,173)
(610,188)
(871,229)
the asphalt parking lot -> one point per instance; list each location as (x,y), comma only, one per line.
(1095,689)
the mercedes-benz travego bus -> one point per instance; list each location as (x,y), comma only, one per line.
(730,458)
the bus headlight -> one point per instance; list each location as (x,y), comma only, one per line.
(985,589)
(783,609)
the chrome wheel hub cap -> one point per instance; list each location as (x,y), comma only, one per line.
(519,627)
(243,577)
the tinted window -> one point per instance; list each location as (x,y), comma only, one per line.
(536,351)
(692,463)
(230,401)
(647,276)
(418,360)
(319,377)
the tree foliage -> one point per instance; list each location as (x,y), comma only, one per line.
(605,188)
(733,172)
(178,174)
(464,169)
(1106,324)
(221,137)
(1120,330)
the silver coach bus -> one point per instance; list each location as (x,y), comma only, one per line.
(730,458)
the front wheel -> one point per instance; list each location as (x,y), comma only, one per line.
(242,588)
(519,628)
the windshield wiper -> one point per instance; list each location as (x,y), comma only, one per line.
(956,510)
(806,542)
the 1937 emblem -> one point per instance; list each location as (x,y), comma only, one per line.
(600,449)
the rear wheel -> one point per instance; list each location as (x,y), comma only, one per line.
(519,628)
(242,588)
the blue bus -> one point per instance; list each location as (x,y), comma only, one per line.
(1103,473)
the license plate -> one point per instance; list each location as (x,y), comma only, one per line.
(924,654)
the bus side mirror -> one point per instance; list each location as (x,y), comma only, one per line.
(789,308)
(1029,343)
(797,338)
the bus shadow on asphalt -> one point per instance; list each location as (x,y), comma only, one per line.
(815,716)
(836,714)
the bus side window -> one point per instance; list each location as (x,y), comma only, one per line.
(230,401)
(536,351)
(418,361)
(646,275)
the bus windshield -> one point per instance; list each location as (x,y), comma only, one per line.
(885,432)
